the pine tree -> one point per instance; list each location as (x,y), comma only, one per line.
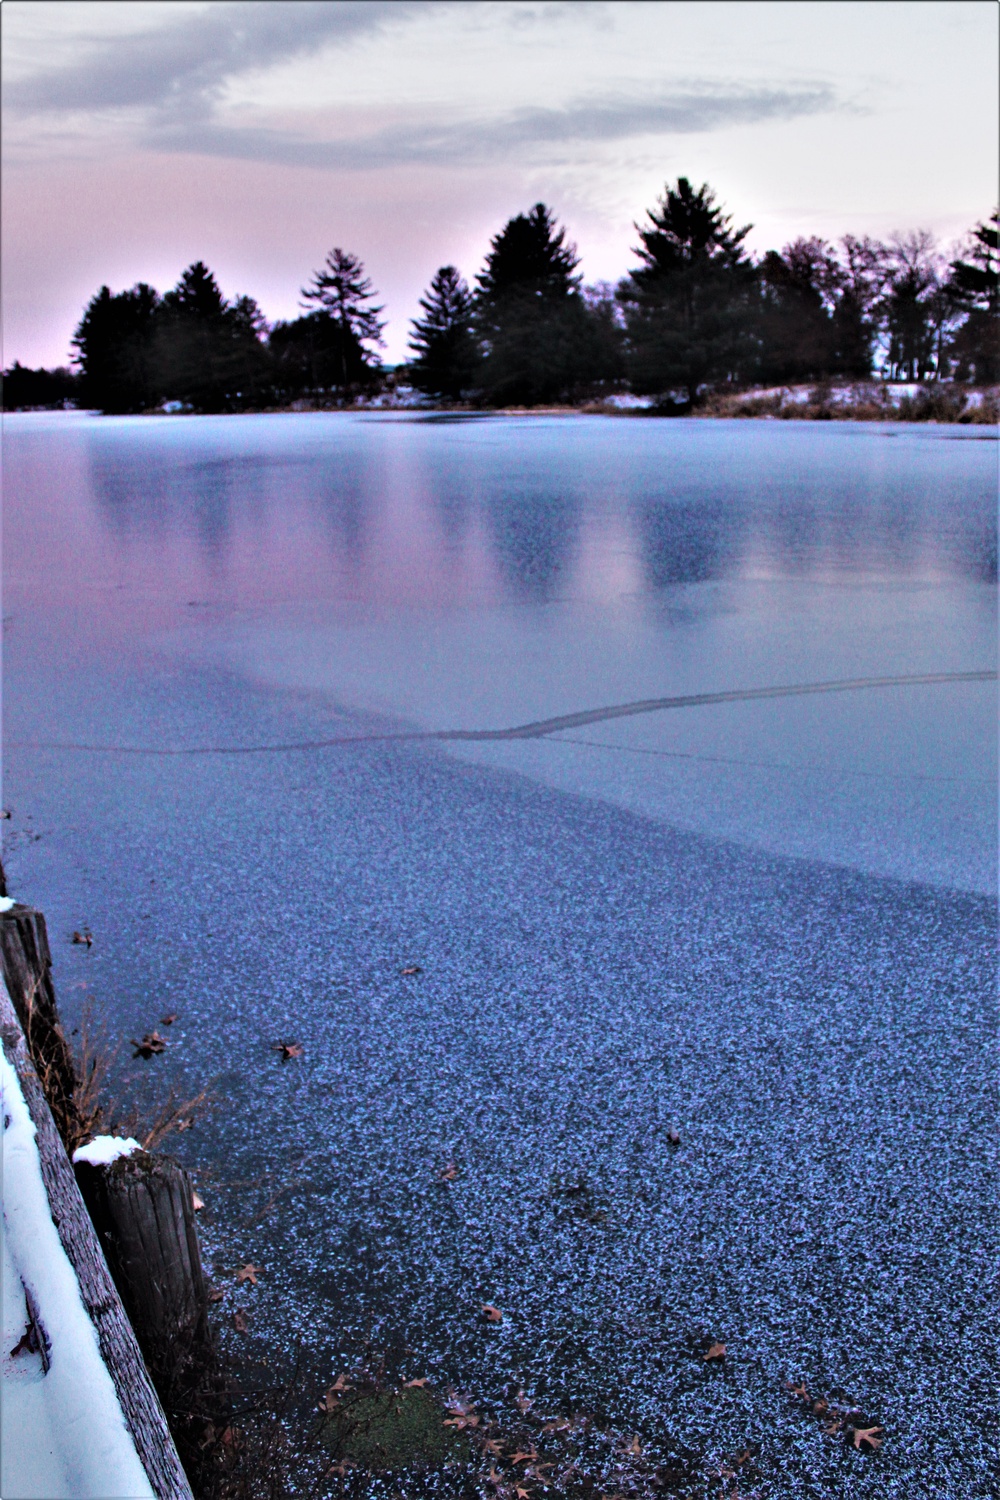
(540,340)
(210,354)
(974,287)
(115,350)
(529,258)
(341,294)
(442,340)
(689,304)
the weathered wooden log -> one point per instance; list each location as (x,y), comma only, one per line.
(139,1403)
(142,1208)
(27,972)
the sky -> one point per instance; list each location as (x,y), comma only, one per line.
(138,137)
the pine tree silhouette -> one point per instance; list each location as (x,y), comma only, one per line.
(442,340)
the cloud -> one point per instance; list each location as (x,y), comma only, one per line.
(182,66)
(467,142)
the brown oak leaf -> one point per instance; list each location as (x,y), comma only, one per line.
(412,969)
(240,1321)
(248,1273)
(715,1351)
(867,1435)
(415,1385)
(492,1314)
(28,1343)
(288,1050)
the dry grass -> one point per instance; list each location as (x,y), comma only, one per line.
(864,401)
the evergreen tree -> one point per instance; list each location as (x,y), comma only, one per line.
(540,341)
(26,389)
(689,305)
(529,258)
(445,349)
(211,354)
(115,344)
(798,297)
(974,288)
(342,295)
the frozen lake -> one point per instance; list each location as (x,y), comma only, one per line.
(768,920)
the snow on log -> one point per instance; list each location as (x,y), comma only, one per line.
(80,1418)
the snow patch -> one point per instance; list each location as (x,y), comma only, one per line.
(62,1432)
(104,1149)
(6,902)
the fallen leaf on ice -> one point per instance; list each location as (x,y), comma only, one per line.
(197,1203)
(797,1390)
(334,1393)
(674,1136)
(450,1172)
(168,1020)
(412,969)
(415,1385)
(240,1321)
(27,1343)
(523,1458)
(248,1273)
(288,1049)
(867,1435)
(216,1294)
(717,1351)
(151,1044)
(83,937)
(492,1314)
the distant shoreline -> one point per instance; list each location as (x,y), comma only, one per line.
(868,401)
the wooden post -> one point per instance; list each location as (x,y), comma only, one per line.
(142,1209)
(27,972)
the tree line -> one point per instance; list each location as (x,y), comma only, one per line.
(696,313)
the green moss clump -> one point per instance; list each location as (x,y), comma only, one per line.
(387,1430)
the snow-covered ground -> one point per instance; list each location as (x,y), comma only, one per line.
(62,1432)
